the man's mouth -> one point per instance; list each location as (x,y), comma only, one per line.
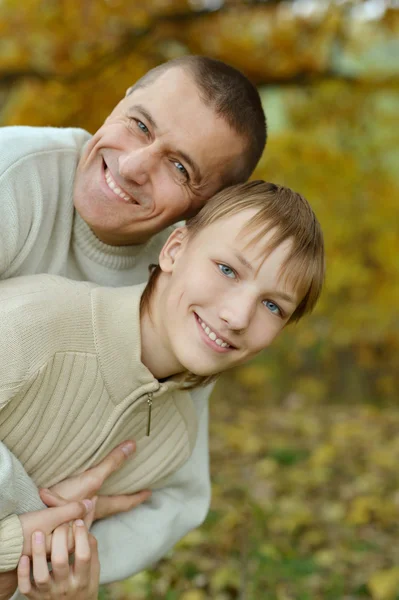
(115,188)
(214,335)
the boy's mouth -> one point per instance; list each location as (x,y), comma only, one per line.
(214,336)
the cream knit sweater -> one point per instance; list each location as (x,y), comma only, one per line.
(40,232)
(72,387)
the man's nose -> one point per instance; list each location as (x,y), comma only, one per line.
(138,164)
(238,311)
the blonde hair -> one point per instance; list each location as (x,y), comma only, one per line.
(279,210)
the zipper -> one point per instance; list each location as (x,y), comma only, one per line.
(149,402)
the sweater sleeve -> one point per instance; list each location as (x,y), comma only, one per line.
(130,542)
(19,218)
(17,221)
(18,494)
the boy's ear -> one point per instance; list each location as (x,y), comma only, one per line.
(172,247)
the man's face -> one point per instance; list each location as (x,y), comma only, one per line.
(223,302)
(158,157)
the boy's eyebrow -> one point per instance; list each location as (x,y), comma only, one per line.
(243,261)
(285,296)
(180,153)
(247,264)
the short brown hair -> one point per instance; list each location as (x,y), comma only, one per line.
(279,210)
(232,96)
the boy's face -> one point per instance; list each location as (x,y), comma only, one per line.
(223,301)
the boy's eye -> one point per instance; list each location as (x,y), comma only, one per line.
(272,307)
(228,271)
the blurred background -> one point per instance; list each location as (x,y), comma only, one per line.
(304,441)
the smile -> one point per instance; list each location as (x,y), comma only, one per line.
(212,335)
(113,186)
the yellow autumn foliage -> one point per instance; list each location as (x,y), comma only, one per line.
(304,440)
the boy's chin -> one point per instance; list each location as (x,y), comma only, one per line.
(202,372)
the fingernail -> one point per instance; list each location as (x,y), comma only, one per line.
(88,504)
(79,523)
(39,537)
(128,448)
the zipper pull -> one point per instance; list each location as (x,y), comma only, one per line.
(149,402)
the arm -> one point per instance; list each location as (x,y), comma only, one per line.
(130,542)
(17,217)
(18,494)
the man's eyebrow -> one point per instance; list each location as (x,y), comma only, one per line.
(139,108)
(280,294)
(179,153)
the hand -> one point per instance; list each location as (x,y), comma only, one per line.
(86,484)
(78,581)
(48,519)
(8,584)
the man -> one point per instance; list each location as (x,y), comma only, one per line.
(98,208)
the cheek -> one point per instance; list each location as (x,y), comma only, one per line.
(189,291)
(172,194)
(263,334)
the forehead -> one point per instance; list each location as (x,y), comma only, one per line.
(232,234)
(185,123)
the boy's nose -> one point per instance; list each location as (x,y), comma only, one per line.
(237,313)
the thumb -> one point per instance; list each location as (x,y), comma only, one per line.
(63,514)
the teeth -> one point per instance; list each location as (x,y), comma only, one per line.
(117,190)
(213,335)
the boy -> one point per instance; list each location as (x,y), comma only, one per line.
(94,366)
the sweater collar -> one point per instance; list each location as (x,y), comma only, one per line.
(116,320)
(112,257)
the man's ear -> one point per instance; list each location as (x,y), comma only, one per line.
(129,91)
(172,247)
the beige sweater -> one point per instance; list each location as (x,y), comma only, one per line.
(41,233)
(72,387)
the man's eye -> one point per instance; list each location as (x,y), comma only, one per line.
(143,127)
(181,168)
(228,271)
(272,307)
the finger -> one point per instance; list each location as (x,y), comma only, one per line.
(41,573)
(51,499)
(110,505)
(64,514)
(95,564)
(82,553)
(24,583)
(59,553)
(112,462)
(90,517)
